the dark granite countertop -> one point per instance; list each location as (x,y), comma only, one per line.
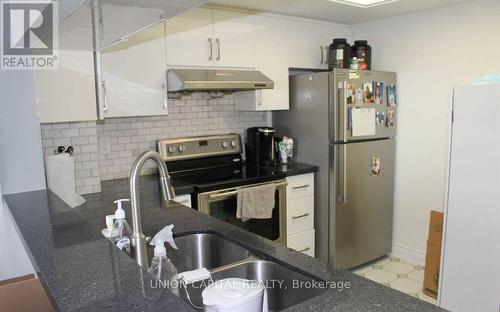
(83,271)
(295,168)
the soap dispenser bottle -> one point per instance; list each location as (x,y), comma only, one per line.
(122,239)
(161,267)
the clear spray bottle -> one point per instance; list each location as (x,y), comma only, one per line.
(161,267)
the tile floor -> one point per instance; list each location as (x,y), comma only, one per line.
(397,274)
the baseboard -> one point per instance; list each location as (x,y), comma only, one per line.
(409,254)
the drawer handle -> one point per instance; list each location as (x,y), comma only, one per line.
(300,187)
(305,249)
(301,216)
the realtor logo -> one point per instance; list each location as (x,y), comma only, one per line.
(29,35)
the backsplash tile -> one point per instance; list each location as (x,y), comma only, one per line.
(105,150)
(83,137)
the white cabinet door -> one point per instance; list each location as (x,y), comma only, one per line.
(271,58)
(234,39)
(68,93)
(306,45)
(134,75)
(189,39)
(184,200)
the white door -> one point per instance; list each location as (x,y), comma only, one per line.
(469,275)
(234,35)
(189,39)
(306,45)
(271,59)
(134,75)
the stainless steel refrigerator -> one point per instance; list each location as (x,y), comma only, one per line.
(344,121)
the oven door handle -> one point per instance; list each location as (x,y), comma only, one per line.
(224,194)
(234,192)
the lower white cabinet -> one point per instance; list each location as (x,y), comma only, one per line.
(300,213)
(303,242)
(184,200)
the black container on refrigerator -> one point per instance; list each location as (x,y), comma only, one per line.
(260,146)
(363,53)
(339,54)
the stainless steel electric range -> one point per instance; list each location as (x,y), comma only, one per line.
(214,166)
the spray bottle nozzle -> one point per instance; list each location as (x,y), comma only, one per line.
(165,235)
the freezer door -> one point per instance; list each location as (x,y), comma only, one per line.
(349,90)
(361,199)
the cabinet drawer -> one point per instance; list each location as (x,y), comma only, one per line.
(184,200)
(300,214)
(300,186)
(303,242)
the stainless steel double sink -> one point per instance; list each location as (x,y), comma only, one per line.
(286,286)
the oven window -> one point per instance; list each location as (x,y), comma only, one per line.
(226,210)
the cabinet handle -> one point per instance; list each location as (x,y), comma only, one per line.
(301,216)
(300,187)
(105,96)
(322,55)
(305,249)
(210,49)
(165,100)
(217,42)
(326,54)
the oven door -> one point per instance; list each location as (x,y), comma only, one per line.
(221,204)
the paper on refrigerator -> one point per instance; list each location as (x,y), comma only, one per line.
(363,121)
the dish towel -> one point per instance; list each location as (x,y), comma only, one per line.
(255,202)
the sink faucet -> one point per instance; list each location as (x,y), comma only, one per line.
(138,240)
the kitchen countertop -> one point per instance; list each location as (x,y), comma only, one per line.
(295,168)
(83,271)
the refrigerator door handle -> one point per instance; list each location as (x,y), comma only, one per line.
(341,131)
(342,174)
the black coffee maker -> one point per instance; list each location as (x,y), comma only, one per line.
(260,147)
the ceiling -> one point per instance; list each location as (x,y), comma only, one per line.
(335,12)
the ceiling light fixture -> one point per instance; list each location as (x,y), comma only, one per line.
(364,3)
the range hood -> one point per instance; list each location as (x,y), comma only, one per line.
(193,80)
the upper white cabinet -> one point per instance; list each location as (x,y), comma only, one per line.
(68,93)
(309,41)
(270,58)
(134,75)
(189,39)
(234,39)
(211,38)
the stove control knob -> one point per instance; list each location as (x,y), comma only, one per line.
(182,148)
(171,149)
(225,144)
(233,143)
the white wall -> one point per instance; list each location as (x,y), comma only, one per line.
(431,51)
(21,165)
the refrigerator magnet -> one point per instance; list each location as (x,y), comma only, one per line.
(375,167)
(368,92)
(391,95)
(359,96)
(351,94)
(378,92)
(380,118)
(391,118)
